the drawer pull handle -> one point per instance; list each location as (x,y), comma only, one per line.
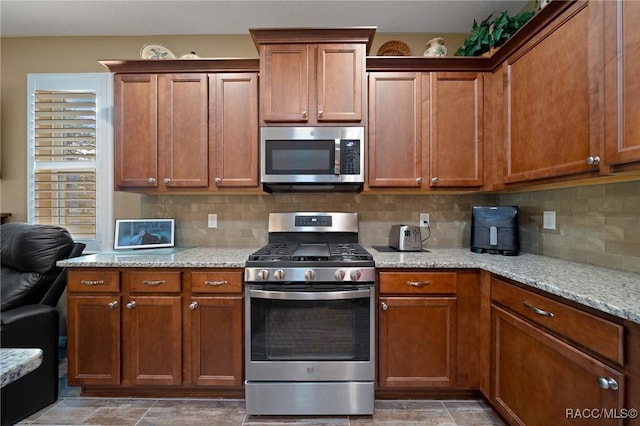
(113,305)
(216,283)
(92,282)
(418,283)
(538,310)
(153,282)
(608,383)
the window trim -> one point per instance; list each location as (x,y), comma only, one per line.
(102,84)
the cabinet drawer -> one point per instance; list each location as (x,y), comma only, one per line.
(154,282)
(216,282)
(418,282)
(93,281)
(594,333)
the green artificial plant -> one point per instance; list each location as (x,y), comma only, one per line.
(492,33)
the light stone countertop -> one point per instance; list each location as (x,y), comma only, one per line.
(16,363)
(607,290)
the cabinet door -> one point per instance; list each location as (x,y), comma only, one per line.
(136,152)
(216,340)
(622,81)
(285,85)
(233,129)
(153,340)
(554,114)
(417,338)
(93,348)
(395,142)
(457,123)
(540,380)
(183,129)
(339,82)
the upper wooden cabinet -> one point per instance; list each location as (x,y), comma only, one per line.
(457,129)
(161,130)
(553,110)
(622,83)
(186,125)
(425,130)
(312,76)
(395,130)
(233,130)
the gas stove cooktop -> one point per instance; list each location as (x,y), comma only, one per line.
(310,252)
(311,247)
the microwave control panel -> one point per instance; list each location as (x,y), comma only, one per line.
(349,157)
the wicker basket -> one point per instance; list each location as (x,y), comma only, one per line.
(394,48)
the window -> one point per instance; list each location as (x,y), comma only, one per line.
(70,155)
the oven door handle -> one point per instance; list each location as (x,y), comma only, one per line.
(310,295)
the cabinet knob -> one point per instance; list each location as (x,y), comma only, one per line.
(132,304)
(320,114)
(434,180)
(166,180)
(384,306)
(113,305)
(419,180)
(305,114)
(193,305)
(592,161)
(608,383)
(218,180)
(151,180)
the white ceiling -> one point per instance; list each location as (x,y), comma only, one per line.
(182,17)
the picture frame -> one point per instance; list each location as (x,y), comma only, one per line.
(144,233)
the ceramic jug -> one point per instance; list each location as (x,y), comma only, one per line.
(435,47)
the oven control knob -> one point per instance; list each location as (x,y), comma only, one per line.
(355,275)
(340,275)
(263,274)
(310,275)
(279,274)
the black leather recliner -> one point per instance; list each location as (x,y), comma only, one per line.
(31,285)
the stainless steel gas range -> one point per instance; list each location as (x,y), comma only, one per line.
(309,318)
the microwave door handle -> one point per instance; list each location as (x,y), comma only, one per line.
(337,157)
(322,295)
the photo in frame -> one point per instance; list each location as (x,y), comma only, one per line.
(144,233)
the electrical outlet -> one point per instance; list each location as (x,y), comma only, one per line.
(424,220)
(212,220)
(549,220)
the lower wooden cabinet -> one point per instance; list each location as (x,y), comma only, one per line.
(544,371)
(416,329)
(215,328)
(138,329)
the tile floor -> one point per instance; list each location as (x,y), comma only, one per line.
(72,409)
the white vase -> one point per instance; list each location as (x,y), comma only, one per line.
(435,47)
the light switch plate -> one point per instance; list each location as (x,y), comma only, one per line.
(212,220)
(549,219)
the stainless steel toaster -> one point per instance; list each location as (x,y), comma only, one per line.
(405,238)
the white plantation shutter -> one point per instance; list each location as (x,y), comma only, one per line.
(70,158)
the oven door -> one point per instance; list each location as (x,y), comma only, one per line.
(309,332)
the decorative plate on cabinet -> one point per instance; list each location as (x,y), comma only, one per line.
(156,51)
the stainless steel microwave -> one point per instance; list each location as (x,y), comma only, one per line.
(312,158)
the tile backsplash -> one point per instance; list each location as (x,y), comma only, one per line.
(596,224)
(242,219)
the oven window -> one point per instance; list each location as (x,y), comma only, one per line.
(320,330)
(300,157)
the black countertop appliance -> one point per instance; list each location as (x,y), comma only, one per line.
(494,229)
